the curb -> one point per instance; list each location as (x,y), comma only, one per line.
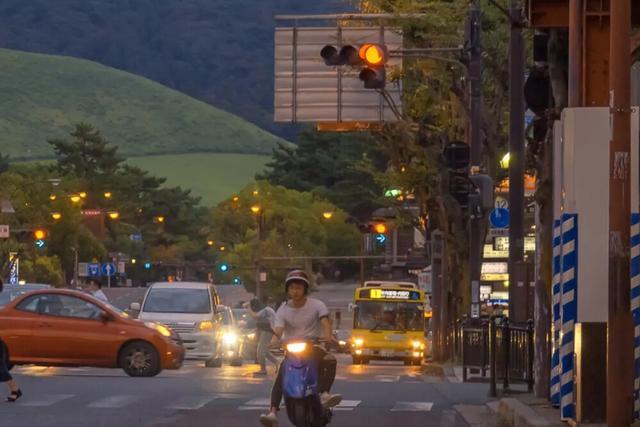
(514,413)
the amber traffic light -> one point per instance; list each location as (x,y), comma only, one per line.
(39,234)
(380,227)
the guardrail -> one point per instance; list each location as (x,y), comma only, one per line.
(496,345)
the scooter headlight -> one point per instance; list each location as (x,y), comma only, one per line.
(230,338)
(296,347)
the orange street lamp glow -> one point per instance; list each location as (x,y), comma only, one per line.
(114,215)
(75,198)
(255,209)
(83,194)
(327,215)
(380,228)
(56,215)
(256,192)
(107,194)
(236,199)
(222,248)
(53,197)
(160,218)
(210,242)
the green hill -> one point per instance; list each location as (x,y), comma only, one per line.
(44,95)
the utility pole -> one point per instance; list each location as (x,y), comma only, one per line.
(475,142)
(517,310)
(620,372)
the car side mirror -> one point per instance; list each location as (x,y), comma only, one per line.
(135,306)
(104,316)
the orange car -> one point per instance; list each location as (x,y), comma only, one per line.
(62,327)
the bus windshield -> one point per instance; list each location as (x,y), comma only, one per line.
(389,316)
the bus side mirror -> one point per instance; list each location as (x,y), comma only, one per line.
(351,307)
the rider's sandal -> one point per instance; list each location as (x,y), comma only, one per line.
(15,395)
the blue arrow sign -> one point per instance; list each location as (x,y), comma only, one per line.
(499,218)
(381,238)
(40,243)
(93,269)
(108,269)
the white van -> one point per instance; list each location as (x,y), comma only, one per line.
(189,308)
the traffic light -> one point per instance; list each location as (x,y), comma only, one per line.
(147,266)
(380,227)
(237,281)
(460,187)
(379,230)
(39,236)
(374,75)
(456,155)
(370,56)
(224,267)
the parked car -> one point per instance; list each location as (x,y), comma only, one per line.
(63,327)
(190,309)
(11,292)
(344,340)
(248,332)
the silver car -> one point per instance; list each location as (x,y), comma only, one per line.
(189,308)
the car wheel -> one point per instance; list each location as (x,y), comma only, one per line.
(140,359)
(214,362)
(236,361)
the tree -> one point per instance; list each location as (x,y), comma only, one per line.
(332,165)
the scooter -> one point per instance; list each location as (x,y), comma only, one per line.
(300,386)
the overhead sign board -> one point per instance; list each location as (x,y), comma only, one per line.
(308,90)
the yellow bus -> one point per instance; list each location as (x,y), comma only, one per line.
(388,323)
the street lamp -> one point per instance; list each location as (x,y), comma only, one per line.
(210,242)
(82,194)
(222,248)
(327,215)
(56,215)
(53,197)
(236,199)
(114,215)
(107,194)
(504,162)
(75,198)
(255,209)
(159,219)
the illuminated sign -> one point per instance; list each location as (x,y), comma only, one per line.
(490,252)
(494,268)
(389,294)
(494,277)
(502,244)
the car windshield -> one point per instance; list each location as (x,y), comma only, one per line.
(244,318)
(172,300)
(389,316)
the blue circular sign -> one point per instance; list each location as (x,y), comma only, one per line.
(499,218)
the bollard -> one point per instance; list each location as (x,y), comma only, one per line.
(506,344)
(530,352)
(492,357)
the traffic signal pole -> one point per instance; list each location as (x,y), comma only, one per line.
(620,372)
(518,310)
(475,142)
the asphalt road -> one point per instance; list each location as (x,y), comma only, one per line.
(382,394)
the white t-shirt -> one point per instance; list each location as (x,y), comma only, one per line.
(303,322)
(100,295)
(267,315)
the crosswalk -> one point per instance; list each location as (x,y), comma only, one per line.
(193,402)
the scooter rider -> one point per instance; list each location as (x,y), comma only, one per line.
(303,317)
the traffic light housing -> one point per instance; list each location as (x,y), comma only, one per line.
(370,56)
(39,234)
(460,187)
(224,267)
(457,155)
(147,266)
(237,281)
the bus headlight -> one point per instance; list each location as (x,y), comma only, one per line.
(358,342)
(416,344)
(296,347)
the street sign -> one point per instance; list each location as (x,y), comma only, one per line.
(93,269)
(498,232)
(4,231)
(40,244)
(307,90)
(14,269)
(83,269)
(108,269)
(121,267)
(135,237)
(381,239)
(499,218)
(263,276)
(501,202)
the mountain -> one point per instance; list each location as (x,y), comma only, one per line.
(43,96)
(218,51)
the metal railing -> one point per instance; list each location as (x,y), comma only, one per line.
(496,345)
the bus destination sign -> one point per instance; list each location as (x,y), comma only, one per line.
(390,294)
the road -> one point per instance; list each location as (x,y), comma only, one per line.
(375,395)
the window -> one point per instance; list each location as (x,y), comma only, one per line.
(29,304)
(177,300)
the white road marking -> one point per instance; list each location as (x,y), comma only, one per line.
(387,378)
(412,407)
(191,403)
(45,399)
(118,401)
(347,405)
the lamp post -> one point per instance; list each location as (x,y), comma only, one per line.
(258,212)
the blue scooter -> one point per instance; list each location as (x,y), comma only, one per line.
(300,386)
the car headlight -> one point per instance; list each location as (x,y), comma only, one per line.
(251,336)
(296,347)
(342,342)
(229,338)
(160,328)
(205,325)
(358,342)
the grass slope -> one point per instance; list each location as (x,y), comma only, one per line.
(212,176)
(44,95)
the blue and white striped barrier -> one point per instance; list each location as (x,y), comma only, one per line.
(569,313)
(557,320)
(635,308)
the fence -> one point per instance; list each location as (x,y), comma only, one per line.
(495,345)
